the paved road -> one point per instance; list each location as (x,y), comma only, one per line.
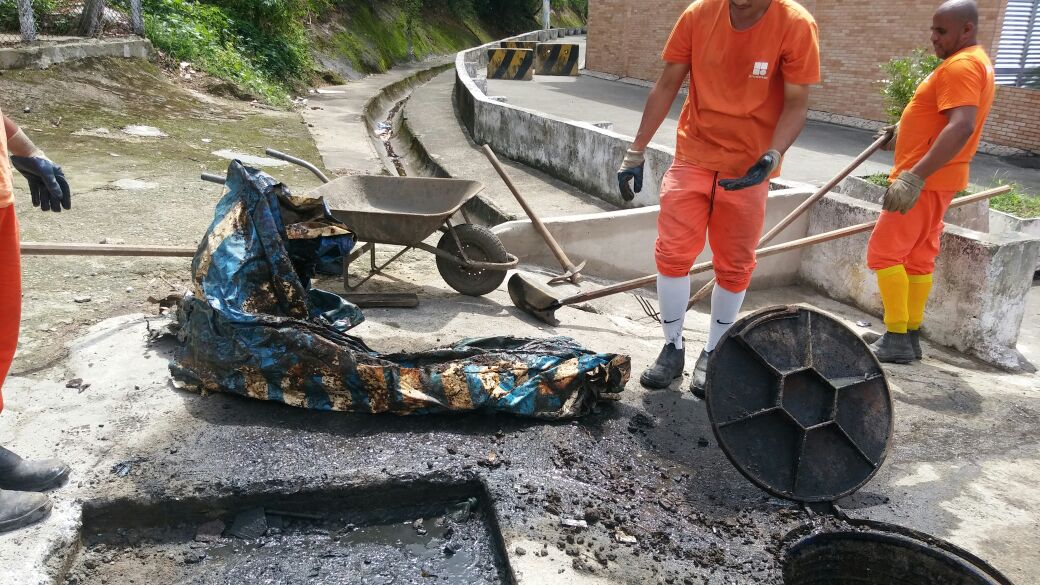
(822,150)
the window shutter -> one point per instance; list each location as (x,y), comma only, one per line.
(1018,54)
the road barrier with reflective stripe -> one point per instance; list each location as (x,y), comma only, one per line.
(557,59)
(516,64)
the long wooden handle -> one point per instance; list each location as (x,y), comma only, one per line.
(554,246)
(769,251)
(56,249)
(805,205)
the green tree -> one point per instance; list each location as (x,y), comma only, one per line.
(903,75)
(412,16)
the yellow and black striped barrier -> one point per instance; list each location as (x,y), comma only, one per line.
(518,45)
(515,64)
(557,59)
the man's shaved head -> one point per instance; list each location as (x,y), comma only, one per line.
(954,26)
(962,10)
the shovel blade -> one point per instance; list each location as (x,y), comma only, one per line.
(533,299)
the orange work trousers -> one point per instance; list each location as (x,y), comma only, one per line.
(912,239)
(693,207)
(10,291)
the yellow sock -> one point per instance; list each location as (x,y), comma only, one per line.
(895,289)
(920,286)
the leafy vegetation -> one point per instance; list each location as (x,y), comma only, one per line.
(265,48)
(879,179)
(9,13)
(903,75)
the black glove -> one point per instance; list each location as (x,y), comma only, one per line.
(631,168)
(47,185)
(759,172)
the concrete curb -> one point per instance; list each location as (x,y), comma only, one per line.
(42,56)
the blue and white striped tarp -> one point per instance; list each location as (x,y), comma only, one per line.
(254,327)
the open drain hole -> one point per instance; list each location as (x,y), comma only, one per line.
(427,533)
(873,558)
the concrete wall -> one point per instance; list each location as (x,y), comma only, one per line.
(974,216)
(620,245)
(574,152)
(981,281)
(43,55)
(626,39)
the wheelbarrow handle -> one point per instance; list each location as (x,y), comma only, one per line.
(297,161)
(213,178)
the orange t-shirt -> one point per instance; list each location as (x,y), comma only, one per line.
(737,79)
(964,79)
(6,185)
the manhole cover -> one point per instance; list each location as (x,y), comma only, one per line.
(799,404)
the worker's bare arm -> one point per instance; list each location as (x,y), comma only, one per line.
(792,119)
(960,126)
(660,101)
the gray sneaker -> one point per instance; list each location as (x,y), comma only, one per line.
(700,375)
(669,366)
(915,343)
(894,348)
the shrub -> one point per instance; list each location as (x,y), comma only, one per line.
(903,75)
(1017,202)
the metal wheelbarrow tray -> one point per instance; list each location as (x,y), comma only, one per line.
(404,211)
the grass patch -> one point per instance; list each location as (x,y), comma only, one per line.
(879,179)
(1017,203)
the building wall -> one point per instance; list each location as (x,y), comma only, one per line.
(626,39)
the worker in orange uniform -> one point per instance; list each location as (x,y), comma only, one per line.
(937,137)
(750,64)
(20,480)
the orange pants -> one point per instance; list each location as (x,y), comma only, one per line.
(912,239)
(694,206)
(10,291)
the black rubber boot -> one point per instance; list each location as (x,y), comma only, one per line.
(700,374)
(19,509)
(666,369)
(894,348)
(30,476)
(915,343)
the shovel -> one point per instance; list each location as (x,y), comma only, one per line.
(535,300)
(798,211)
(573,273)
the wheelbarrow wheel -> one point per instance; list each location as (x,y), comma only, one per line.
(480,245)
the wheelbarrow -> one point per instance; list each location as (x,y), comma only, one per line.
(404,211)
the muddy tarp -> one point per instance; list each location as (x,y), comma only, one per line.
(254,327)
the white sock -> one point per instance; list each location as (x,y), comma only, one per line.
(673,294)
(724,308)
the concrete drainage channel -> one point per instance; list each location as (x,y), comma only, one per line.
(384,534)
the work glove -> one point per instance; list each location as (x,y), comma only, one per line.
(890,144)
(759,172)
(631,168)
(902,194)
(47,185)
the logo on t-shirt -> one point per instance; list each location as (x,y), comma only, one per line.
(761,70)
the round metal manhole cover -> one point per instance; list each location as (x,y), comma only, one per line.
(799,404)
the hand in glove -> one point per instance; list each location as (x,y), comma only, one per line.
(47,185)
(890,144)
(902,194)
(759,172)
(631,168)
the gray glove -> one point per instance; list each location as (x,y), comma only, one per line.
(631,170)
(902,194)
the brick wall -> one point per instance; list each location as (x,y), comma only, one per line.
(1015,119)
(626,38)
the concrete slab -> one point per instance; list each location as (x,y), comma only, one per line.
(52,51)
(431,120)
(964,466)
(821,151)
